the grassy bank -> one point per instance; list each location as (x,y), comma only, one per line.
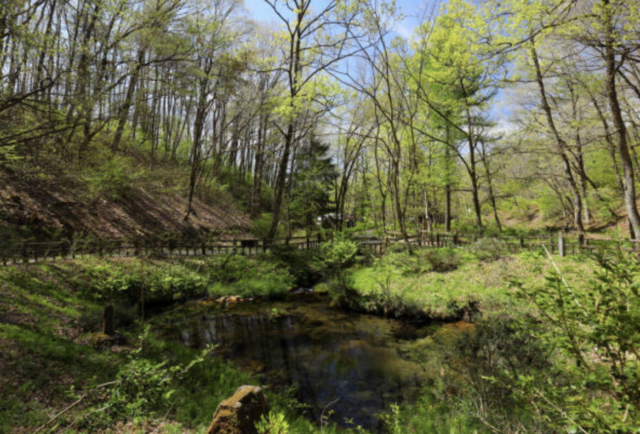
(552,347)
(54,354)
(453,284)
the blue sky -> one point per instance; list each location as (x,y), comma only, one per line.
(411,9)
(413,12)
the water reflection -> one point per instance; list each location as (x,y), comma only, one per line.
(362,360)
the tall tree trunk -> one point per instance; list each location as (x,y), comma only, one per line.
(473,173)
(128,100)
(281,181)
(492,196)
(196,151)
(560,142)
(618,123)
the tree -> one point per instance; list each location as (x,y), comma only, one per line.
(312,42)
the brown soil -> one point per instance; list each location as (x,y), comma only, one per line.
(45,206)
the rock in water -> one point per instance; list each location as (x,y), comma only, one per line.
(240,413)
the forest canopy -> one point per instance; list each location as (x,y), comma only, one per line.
(490,115)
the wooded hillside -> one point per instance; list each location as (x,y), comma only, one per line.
(488,116)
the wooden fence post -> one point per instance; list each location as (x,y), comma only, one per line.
(108,323)
(561,244)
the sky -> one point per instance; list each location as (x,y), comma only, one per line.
(413,13)
(260,10)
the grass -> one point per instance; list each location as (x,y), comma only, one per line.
(166,280)
(52,313)
(431,415)
(414,284)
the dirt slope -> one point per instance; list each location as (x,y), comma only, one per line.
(46,206)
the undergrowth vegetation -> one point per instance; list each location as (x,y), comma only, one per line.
(569,365)
(451,283)
(552,347)
(165,281)
(62,375)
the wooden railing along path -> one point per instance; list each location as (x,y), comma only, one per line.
(33,252)
(554,243)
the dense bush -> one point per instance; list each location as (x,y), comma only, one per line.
(112,177)
(486,365)
(337,256)
(442,260)
(596,333)
(571,367)
(421,260)
(488,249)
(109,281)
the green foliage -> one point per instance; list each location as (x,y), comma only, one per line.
(110,281)
(410,283)
(595,331)
(274,423)
(443,260)
(422,261)
(312,183)
(143,387)
(239,275)
(113,177)
(488,249)
(260,226)
(392,420)
(338,255)
(490,361)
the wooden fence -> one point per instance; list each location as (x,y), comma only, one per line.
(33,252)
(554,243)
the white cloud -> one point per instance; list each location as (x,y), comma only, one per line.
(403,30)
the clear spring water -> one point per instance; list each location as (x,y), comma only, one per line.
(364,362)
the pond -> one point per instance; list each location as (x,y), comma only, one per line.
(360,363)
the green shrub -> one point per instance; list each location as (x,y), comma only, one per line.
(239,275)
(274,423)
(399,247)
(143,389)
(486,365)
(113,177)
(488,249)
(434,413)
(337,256)
(340,253)
(108,281)
(261,226)
(442,260)
(595,333)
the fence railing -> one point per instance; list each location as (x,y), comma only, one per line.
(33,252)
(555,243)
